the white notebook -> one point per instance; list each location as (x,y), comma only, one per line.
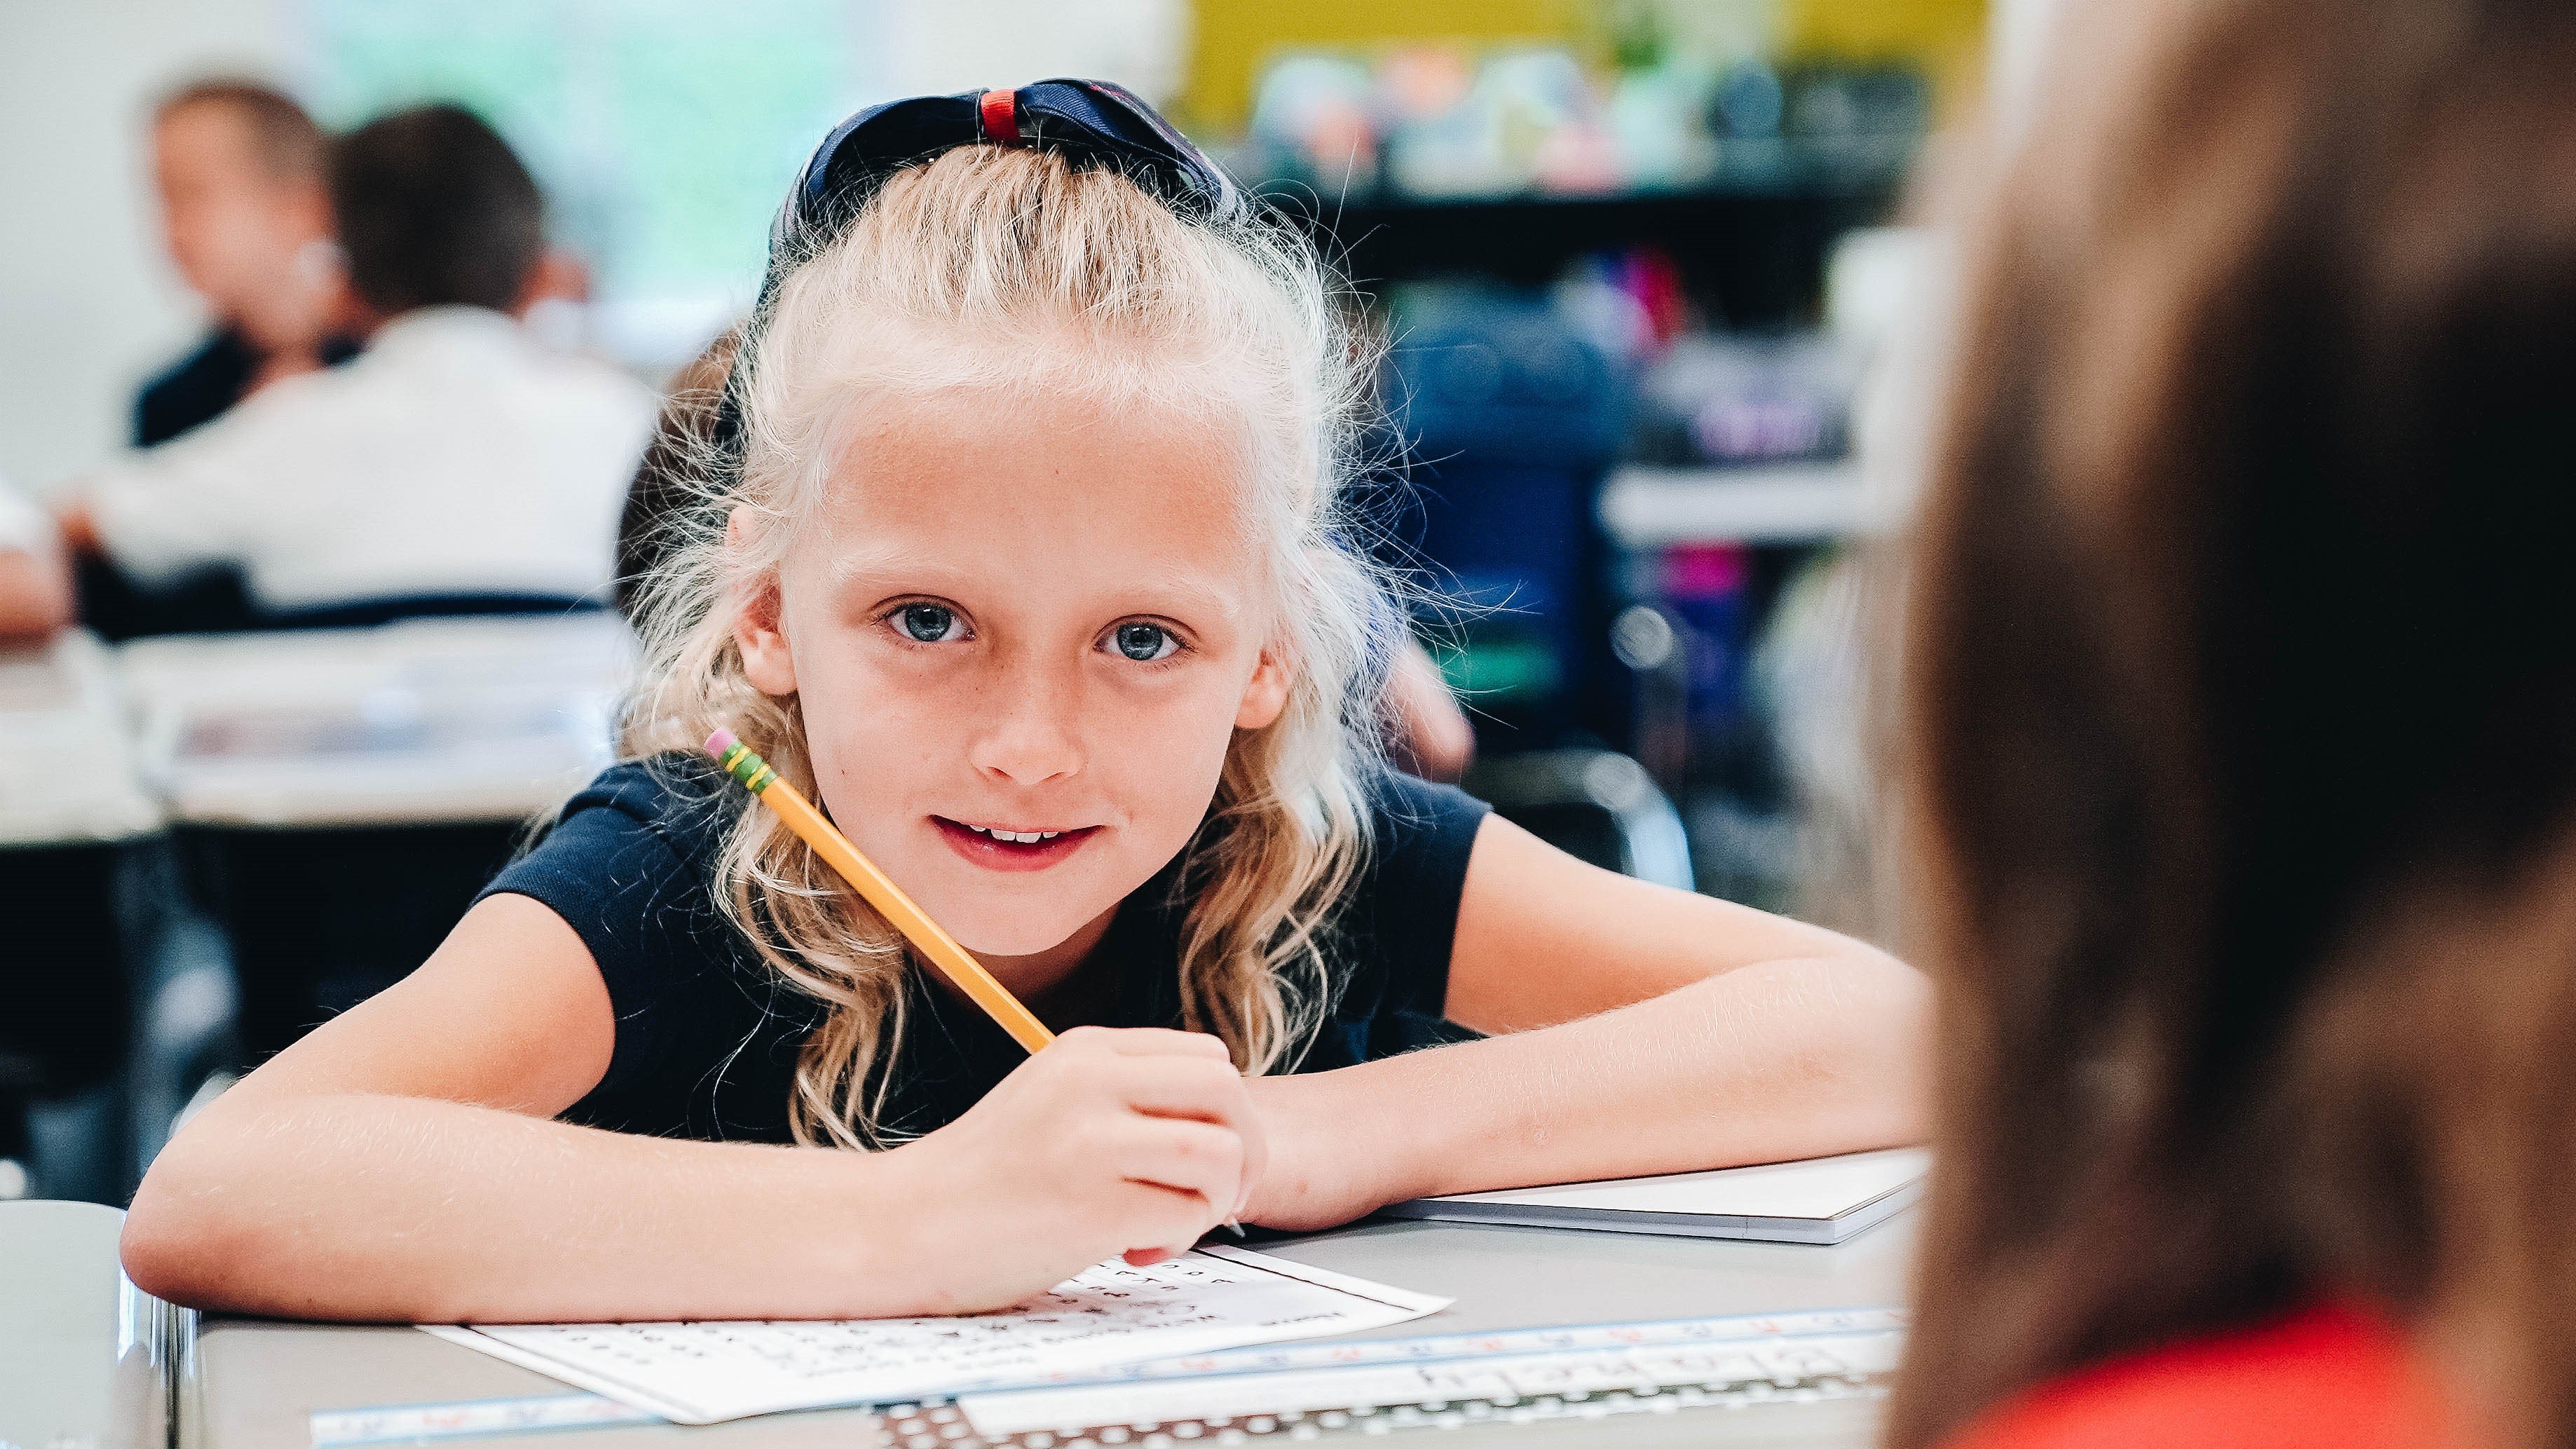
(1821,1200)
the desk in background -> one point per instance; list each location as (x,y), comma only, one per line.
(339,795)
(425,721)
(257,1383)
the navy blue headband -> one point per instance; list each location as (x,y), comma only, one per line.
(1091,124)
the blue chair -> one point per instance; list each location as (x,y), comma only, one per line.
(1512,418)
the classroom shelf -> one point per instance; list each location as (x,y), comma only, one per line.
(1852,166)
(1750,240)
(1656,507)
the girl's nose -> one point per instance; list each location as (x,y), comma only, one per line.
(1027,735)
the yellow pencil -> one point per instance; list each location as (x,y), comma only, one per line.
(864,877)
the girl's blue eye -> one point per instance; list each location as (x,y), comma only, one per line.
(926,623)
(1144,643)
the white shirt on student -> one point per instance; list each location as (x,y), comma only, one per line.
(456,455)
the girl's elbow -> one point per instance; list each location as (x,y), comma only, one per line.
(1856,1050)
(180,1244)
(1884,1000)
(1887,1050)
(163,1252)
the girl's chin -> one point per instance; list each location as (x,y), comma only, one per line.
(1035,934)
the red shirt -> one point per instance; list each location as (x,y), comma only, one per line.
(2324,1378)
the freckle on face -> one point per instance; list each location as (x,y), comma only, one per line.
(1043,523)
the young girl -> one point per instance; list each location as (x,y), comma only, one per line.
(1025,565)
(2243,711)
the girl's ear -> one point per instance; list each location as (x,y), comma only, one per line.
(1265,694)
(758,630)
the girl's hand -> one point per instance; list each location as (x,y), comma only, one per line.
(1328,1162)
(1130,1142)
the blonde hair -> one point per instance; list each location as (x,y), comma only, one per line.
(992,268)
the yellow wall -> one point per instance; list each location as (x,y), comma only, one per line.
(1947,37)
(1234,39)
(1875,29)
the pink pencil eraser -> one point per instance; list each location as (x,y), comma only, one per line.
(721,741)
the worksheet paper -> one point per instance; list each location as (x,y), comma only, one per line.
(704,1373)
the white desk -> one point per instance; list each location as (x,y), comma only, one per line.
(429,721)
(258,1382)
(67,761)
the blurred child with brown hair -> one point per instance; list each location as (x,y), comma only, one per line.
(2242,733)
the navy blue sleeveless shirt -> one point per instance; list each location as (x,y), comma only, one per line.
(708,1035)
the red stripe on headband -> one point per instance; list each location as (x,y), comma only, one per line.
(1000,111)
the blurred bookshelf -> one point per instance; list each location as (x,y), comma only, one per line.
(1751,244)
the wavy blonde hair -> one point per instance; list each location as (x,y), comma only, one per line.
(988,268)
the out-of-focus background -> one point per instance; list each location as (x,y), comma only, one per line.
(664,133)
(1658,323)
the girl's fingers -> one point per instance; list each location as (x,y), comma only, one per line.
(1156,1215)
(1155,1041)
(1204,1088)
(1191,1157)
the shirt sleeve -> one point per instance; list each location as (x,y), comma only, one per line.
(198,499)
(641,907)
(1401,919)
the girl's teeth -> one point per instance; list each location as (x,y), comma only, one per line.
(1017,837)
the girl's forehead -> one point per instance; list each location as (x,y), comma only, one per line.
(1041,478)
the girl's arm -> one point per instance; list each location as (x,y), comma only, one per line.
(398,1164)
(1639,1030)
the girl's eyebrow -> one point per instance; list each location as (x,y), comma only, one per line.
(876,562)
(879,566)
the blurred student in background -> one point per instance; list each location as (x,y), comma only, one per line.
(457,465)
(2242,721)
(248,223)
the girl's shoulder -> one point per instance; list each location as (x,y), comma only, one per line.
(661,819)
(2330,1377)
(1410,814)
(640,841)
(682,800)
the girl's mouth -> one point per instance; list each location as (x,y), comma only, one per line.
(1001,847)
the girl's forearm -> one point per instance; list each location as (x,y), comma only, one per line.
(400,1209)
(1779,1060)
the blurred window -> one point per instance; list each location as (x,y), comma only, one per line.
(665,131)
